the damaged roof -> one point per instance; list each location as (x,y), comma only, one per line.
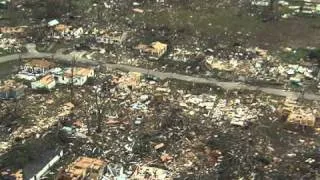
(10,84)
(79,71)
(158,45)
(79,167)
(153,47)
(18,29)
(41,63)
(47,79)
(302,117)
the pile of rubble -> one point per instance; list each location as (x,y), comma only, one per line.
(297,114)
(292,8)
(153,130)
(221,110)
(241,115)
(85,167)
(263,68)
(9,45)
(136,131)
(103,36)
(65,32)
(184,55)
(41,122)
(137,114)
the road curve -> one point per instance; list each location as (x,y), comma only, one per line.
(163,75)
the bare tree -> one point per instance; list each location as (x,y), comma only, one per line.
(101,94)
(100,107)
(71,85)
(96,102)
(86,110)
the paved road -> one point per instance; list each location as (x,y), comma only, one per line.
(32,53)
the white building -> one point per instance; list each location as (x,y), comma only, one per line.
(33,69)
(47,82)
(80,76)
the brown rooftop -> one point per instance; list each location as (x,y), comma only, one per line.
(79,71)
(83,71)
(42,63)
(47,79)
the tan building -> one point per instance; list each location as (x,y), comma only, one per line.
(303,118)
(79,75)
(296,114)
(289,105)
(154,49)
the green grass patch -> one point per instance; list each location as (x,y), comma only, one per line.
(5,52)
(198,21)
(296,55)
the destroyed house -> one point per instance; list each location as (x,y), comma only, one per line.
(156,49)
(47,82)
(130,80)
(295,114)
(62,28)
(212,63)
(8,175)
(110,38)
(37,66)
(151,173)
(12,30)
(288,106)
(11,90)
(79,75)
(83,168)
(302,118)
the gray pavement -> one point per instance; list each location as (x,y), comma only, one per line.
(32,53)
